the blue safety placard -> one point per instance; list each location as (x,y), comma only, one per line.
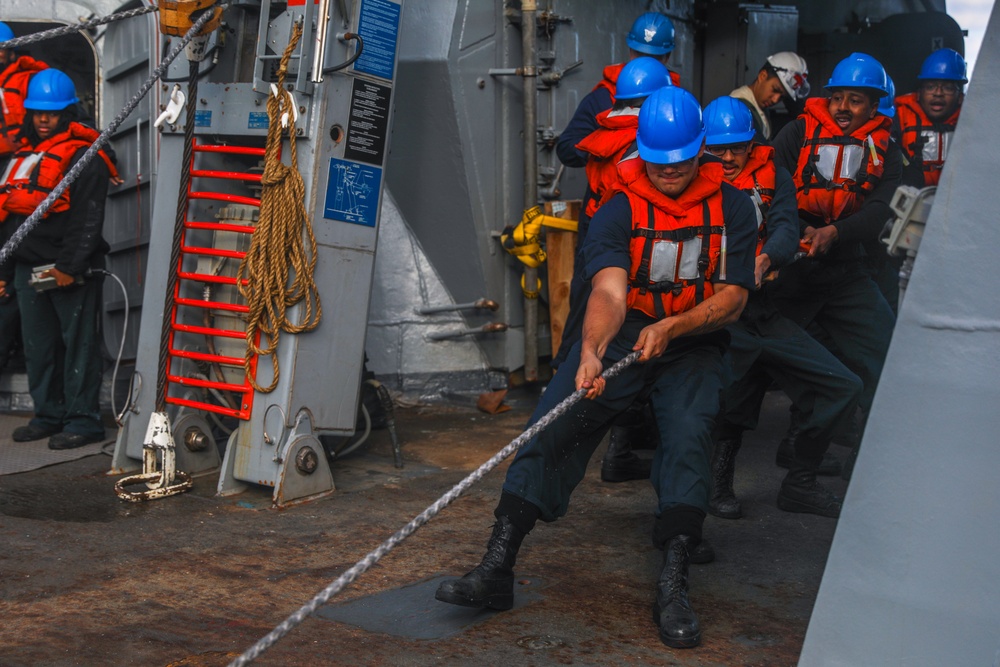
(257,120)
(378,25)
(352,192)
(203,118)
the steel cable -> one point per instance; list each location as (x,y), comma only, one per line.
(373,557)
(175,246)
(69,29)
(32,220)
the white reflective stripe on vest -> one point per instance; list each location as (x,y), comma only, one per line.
(25,167)
(672,261)
(935,146)
(843,160)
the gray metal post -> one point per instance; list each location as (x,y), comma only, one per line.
(528,33)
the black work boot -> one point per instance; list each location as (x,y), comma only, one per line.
(723,503)
(491,583)
(672,611)
(620,463)
(785,457)
(800,492)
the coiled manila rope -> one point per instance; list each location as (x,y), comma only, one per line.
(277,248)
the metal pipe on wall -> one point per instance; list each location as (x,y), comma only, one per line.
(528,41)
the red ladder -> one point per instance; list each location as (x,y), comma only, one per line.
(182,306)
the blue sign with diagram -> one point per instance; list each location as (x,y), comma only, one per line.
(378,25)
(352,192)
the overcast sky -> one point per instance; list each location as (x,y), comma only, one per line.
(973,16)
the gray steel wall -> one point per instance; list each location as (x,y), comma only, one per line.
(913,576)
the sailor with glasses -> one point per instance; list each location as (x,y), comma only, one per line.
(925,120)
(766,347)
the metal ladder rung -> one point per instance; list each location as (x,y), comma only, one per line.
(213,305)
(206,384)
(221,196)
(219,227)
(211,358)
(208,331)
(213,252)
(208,278)
(209,407)
(232,150)
(231,175)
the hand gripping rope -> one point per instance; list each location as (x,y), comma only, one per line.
(373,557)
(32,221)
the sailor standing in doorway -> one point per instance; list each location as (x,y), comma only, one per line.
(15,71)
(59,316)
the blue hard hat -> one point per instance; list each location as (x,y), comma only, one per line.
(5,32)
(641,78)
(946,64)
(652,34)
(727,121)
(887,105)
(670,126)
(50,90)
(859,70)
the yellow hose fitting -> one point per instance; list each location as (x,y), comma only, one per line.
(177,16)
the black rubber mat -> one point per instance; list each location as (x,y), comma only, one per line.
(412,611)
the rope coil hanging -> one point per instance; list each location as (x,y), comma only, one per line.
(277,247)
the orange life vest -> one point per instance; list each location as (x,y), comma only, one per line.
(33,172)
(924,140)
(835,171)
(606,146)
(757,180)
(13,89)
(676,243)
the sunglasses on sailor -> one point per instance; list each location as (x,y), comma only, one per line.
(683,165)
(735,149)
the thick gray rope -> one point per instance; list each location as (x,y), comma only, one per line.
(373,557)
(32,221)
(76,27)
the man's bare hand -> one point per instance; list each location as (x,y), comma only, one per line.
(588,375)
(760,268)
(653,340)
(62,279)
(820,240)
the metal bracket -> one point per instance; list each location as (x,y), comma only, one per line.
(158,465)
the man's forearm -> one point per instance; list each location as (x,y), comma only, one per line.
(717,311)
(602,320)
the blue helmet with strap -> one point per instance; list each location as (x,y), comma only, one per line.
(859,70)
(945,64)
(652,34)
(727,121)
(887,105)
(50,90)
(670,126)
(641,77)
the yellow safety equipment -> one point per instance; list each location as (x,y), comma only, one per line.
(177,16)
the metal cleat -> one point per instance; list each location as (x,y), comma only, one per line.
(174,107)
(158,465)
